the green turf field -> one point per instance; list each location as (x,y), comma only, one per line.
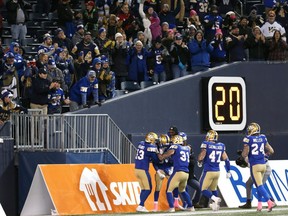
(278,211)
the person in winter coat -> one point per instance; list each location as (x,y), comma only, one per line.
(136,61)
(200,52)
(84,92)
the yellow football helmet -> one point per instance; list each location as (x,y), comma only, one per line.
(151,137)
(212,135)
(253,128)
(177,139)
(164,139)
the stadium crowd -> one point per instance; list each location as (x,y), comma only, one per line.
(104,43)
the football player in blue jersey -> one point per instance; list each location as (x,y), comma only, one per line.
(180,156)
(210,156)
(146,152)
(163,168)
(255,146)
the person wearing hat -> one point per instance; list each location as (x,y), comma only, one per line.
(55,73)
(7,106)
(104,44)
(271,25)
(119,56)
(66,17)
(146,23)
(84,93)
(158,61)
(79,34)
(168,15)
(211,22)
(84,52)
(10,78)
(56,98)
(218,55)
(61,40)
(40,89)
(137,63)
(256,44)
(235,46)
(19,62)
(90,18)
(47,46)
(180,56)
(200,51)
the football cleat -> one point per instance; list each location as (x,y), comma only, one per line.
(177,139)
(271,205)
(171,210)
(253,128)
(247,205)
(212,135)
(259,207)
(141,209)
(151,137)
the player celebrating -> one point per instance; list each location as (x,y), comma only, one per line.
(146,151)
(255,145)
(180,156)
(211,153)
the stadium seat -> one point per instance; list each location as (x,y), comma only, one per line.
(31,42)
(120,92)
(50,25)
(130,86)
(38,17)
(53,16)
(260,8)
(145,84)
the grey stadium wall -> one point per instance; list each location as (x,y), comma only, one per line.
(179,102)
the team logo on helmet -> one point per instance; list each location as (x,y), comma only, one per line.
(164,139)
(253,128)
(151,137)
(212,135)
(177,139)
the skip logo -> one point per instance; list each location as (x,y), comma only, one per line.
(99,196)
(88,182)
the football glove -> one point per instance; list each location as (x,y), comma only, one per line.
(199,164)
(228,175)
(161,175)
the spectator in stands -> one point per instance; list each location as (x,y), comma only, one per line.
(84,92)
(137,65)
(277,50)
(19,62)
(155,26)
(268,5)
(119,56)
(212,22)
(218,55)
(106,80)
(281,10)
(84,52)
(16,17)
(65,63)
(1,50)
(90,18)
(169,16)
(79,34)
(201,7)
(7,106)
(146,23)
(256,43)
(42,61)
(54,72)
(8,74)
(157,61)
(40,89)
(194,20)
(229,21)
(271,25)
(47,47)
(56,98)
(103,7)
(200,51)
(66,17)
(244,28)
(112,27)
(126,19)
(60,40)
(189,33)
(104,44)
(234,44)
(141,37)
(165,29)
(180,56)
(254,18)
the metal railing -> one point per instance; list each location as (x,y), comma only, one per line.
(71,132)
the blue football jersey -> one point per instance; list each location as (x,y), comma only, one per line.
(146,153)
(256,145)
(213,156)
(180,157)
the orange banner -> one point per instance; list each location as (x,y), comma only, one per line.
(96,189)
